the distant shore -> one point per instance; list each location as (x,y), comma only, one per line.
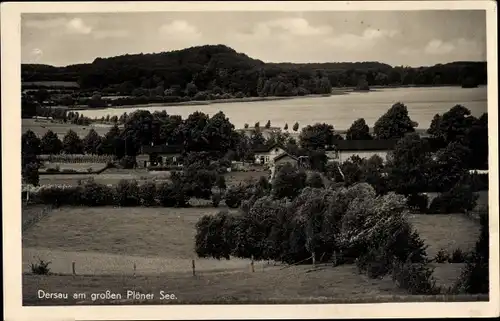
(335,91)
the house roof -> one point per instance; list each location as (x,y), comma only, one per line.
(285,154)
(265,148)
(375,144)
(162,149)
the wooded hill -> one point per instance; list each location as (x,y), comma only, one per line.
(218,69)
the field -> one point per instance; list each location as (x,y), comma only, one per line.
(40,128)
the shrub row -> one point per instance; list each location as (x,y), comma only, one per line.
(74,158)
(125,193)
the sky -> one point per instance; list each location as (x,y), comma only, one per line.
(409,38)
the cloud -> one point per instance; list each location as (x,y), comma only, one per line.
(77,25)
(294,26)
(58,25)
(105,34)
(367,39)
(180,29)
(439,47)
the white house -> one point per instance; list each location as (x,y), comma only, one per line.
(266,154)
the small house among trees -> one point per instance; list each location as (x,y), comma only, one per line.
(345,149)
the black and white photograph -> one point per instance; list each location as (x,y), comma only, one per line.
(206,156)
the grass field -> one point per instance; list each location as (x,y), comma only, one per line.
(271,285)
(40,128)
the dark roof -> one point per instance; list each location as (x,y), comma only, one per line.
(265,149)
(284,155)
(375,144)
(162,149)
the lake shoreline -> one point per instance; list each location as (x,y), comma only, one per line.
(335,91)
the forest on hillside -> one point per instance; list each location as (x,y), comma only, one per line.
(218,70)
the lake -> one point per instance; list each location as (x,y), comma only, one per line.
(337,110)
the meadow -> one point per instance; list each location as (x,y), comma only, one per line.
(61,129)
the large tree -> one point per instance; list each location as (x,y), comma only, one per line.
(395,123)
(218,132)
(409,164)
(452,126)
(91,142)
(359,130)
(449,166)
(51,144)
(72,144)
(318,136)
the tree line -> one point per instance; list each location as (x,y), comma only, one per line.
(219,72)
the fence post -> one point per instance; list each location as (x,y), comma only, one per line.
(73,267)
(135,268)
(314,259)
(194,267)
(252,265)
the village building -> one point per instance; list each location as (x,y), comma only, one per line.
(159,155)
(342,150)
(266,154)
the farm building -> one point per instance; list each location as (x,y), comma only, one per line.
(344,149)
(266,154)
(159,155)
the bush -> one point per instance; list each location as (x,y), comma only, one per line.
(128,162)
(459,199)
(172,195)
(127,193)
(216,198)
(474,278)
(375,263)
(234,196)
(59,195)
(147,194)
(94,194)
(52,170)
(442,256)
(215,235)
(418,202)
(40,268)
(458,256)
(416,278)
(314,180)
(70,170)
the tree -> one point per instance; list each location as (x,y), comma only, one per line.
(246,125)
(257,139)
(91,142)
(317,136)
(315,181)
(72,144)
(359,130)
(286,126)
(112,143)
(51,144)
(191,89)
(452,126)
(288,181)
(221,183)
(408,168)
(395,123)
(257,125)
(268,124)
(30,143)
(449,166)
(218,133)
(477,138)
(295,126)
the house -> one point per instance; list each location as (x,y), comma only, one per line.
(266,154)
(282,159)
(345,149)
(159,155)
